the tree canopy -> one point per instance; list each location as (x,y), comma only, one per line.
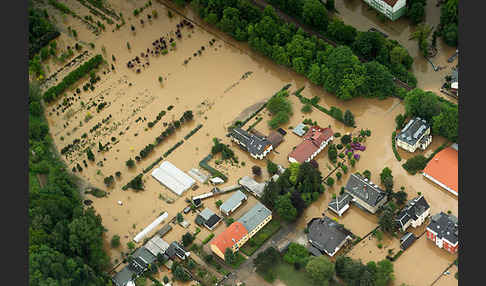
(321,269)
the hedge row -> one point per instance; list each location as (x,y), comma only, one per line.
(193,131)
(159,116)
(207,239)
(53,92)
(152,165)
(204,164)
(173,148)
(394,147)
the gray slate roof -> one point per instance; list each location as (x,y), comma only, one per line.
(326,234)
(446,226)
(233,201)
(123,277)
(413,131)
(412,210)
(358,186)
(253,143)
(254,216)
(252,185)
(339,202)
(206,214)
(144,254)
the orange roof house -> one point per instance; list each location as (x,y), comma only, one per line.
(443,169)
(230,238)
(315,139)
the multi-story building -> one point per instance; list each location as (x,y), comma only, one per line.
(326,236)
(239,232)
(365,194)
(444,231)
(443,169)
(258,146)
(416,134)
(392,9)
(315,140)
(414,213)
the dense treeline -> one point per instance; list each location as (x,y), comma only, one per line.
(449,20)
(65,240)
(368,45)
(53,92)
(294,190)
(338,69)
(41,31)
(441,114)
(354,272)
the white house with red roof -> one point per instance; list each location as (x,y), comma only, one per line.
(315,140)
(392,9)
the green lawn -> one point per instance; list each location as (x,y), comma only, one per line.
(259,239)
(291,277)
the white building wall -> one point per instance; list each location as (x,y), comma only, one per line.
(440,184)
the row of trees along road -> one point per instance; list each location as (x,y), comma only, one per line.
(338,70)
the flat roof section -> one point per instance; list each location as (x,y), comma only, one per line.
(173,178)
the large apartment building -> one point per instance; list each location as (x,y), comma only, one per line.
(392,9)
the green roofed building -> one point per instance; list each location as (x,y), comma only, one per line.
(392,9)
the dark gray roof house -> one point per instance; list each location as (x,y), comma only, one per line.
(257,146)
(445,226)
(124,277)
(143,257)
(407,240)
(175,249)
(208,218)
(414,213)
(326,235)
(164,230)
(365,193)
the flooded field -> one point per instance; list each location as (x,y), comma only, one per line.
(358,14)
(221,84)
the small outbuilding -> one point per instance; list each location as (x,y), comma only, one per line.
(233,202)
(407,240)
(208,218)
(340,204)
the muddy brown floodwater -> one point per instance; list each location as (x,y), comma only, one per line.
(214,86)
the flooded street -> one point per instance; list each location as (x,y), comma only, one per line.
(212,84)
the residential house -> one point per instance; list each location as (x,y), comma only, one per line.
(326,236)
(232,238)
(208,218)
(252,186)
(257,146)
(340,204)
(233,202)
(239,232)
(392,9)
(443,169)
(156,245)
(176,250)
(365,194)
(124,277)
(315,140)
(255,218)
(413,214)
(416,134)
(443,229)
(407,240)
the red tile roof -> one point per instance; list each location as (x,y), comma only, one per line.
(235,231)
(313,138)
(443,167)
(391,2)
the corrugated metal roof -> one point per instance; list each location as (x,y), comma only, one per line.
(233,201)
(255,216)
(173,178)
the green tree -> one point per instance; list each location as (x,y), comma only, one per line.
(385,173)
(321,269)
(219,203)
(285,209)
(379,81)
(131,245)
(332,153)
(330,181)
(296,253)
(422,34)
(115,241)
(401,197)
(447,123)
(384,272)
(315,14)
(314,74)
(348,118)
(370,45)
(187,239)
(450,34)
(400,121)
(341,32)
(307,108)
(423,104)
(90,154)
(229,256)
(415,164)
(416,13)
(330,5)
(386,220)
(272,168)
